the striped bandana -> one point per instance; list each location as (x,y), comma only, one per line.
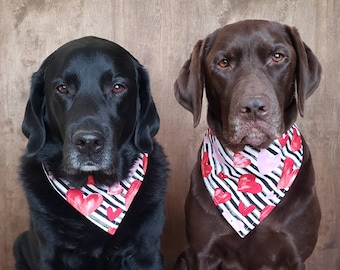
(246,186)
(103,206)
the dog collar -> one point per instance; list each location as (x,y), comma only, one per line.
(246,186)
(104,206)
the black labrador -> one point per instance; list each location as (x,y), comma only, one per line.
(92,162)
(257,76)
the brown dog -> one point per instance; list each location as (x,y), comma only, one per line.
(260,212)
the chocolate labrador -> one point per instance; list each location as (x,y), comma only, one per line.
(94,176)
(252,202)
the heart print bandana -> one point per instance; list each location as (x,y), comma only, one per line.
(246,186)
(103,206)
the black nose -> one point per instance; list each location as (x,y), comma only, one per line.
(88,142)
(255,107)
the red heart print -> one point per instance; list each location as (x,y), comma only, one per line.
(283,140)
(205,166)
(115,189)
(90,180)
(288,174)
(112,231)
(112,215)
(221,196)
(245,210)
(266,211)
(145,162)
(240,161)
(131,193)
(222,176)
(296,141)
(206,170)
(85,205)
(246,183)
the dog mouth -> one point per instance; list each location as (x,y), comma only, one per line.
(88,166)
(78,177)
(79,165)
(102,165)
(257,135)
(256,138)
(91,167)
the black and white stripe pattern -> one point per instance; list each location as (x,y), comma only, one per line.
(221,160)
(112,197)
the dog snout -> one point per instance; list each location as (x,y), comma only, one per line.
(255,107)
(88,141)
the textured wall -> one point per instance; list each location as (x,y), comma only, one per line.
(161,35)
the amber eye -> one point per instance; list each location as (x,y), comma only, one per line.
(62,89)
(278,57)
(223,63)
(118,88)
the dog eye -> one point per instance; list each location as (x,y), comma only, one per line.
(278,57)
(223,63)
(118,88)
(62,89)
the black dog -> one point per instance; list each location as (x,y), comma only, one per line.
(90,120)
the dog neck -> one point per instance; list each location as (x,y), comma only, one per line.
(247,185)
(104,206)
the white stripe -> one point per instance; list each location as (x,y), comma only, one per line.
(269,195)
(99,216)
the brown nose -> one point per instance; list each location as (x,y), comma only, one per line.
(255,107)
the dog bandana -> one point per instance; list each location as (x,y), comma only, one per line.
(103,206)
(246,186)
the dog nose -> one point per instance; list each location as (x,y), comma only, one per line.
(88,141)
(257,106)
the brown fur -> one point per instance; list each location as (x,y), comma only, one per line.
(257,76)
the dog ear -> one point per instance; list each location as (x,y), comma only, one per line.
(33,124)
(147,124)
(190,82)
(308,71)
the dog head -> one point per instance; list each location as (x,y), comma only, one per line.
(90,104)
(257,76)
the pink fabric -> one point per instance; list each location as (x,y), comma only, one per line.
(246,186)
(103,206)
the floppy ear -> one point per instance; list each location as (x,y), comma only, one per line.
(147,117)
(33,124)
(308,70)
(190,82)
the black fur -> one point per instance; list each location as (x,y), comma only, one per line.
(126,121)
